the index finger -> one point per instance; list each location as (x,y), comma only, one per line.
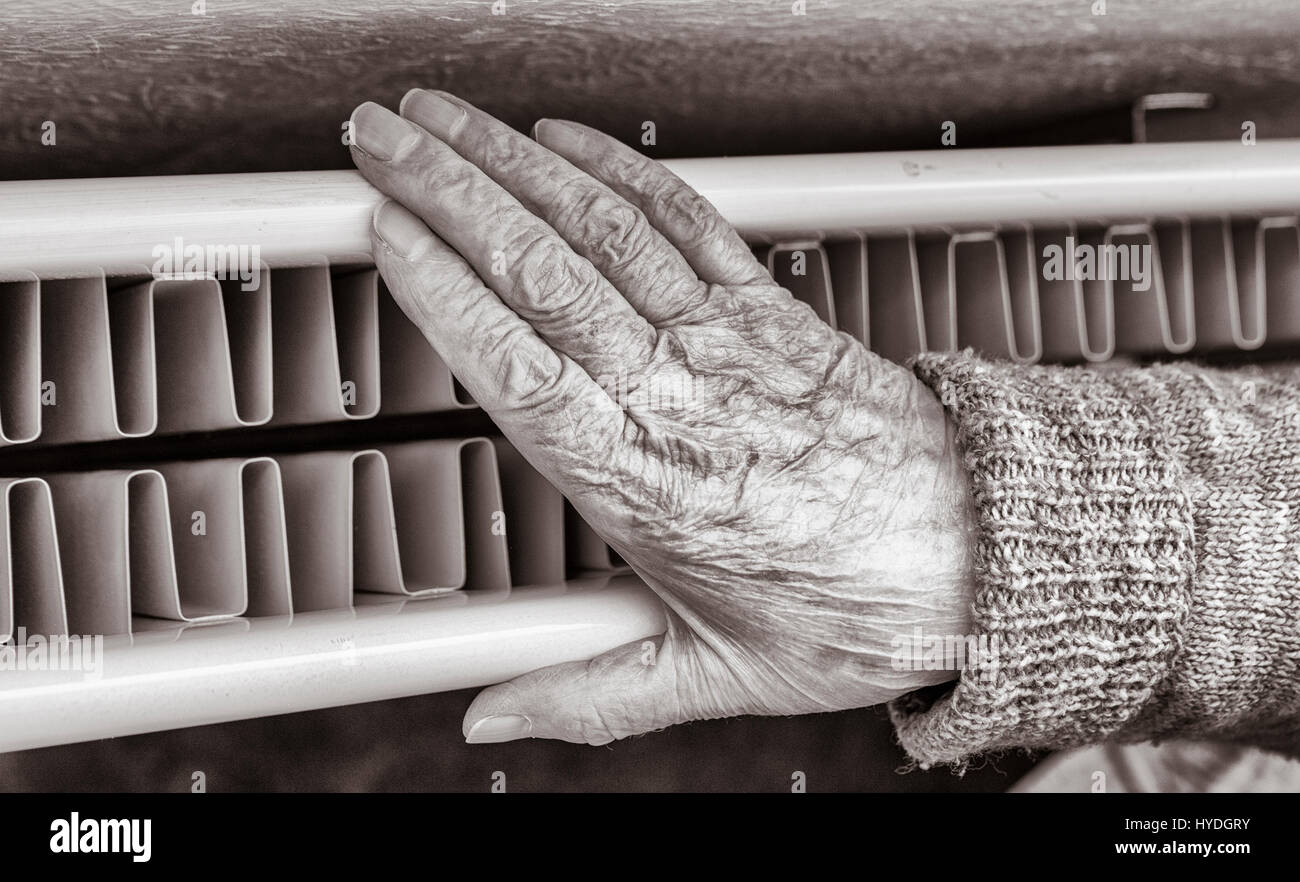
(545,404)
(688,220)
(597,223)
(572,306)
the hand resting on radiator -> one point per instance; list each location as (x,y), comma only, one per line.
(796,501)
(800,505)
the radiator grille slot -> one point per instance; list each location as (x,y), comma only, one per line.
(193,542)
(1166,286)
(20,362)
(100,358)
(104,552)
(97,359)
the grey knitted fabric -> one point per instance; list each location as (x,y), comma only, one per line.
(1138,559)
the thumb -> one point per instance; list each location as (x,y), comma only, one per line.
(629,690)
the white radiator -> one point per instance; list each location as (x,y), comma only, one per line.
(282,580)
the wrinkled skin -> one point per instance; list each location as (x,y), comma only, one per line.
(796,501)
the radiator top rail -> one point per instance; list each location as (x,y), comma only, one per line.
(63,228)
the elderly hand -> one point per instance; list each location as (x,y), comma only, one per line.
(795,500)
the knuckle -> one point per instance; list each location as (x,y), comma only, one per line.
(634,172)
(615,230)
(441,173)
(603,719)
(528,374)
(551,281)
(710,225)
(542,272)
(629,700)
(593,729)
(573,208)
(604,224)
(502,148)
(621,168)
(684,209)
(514,160)
(540,391)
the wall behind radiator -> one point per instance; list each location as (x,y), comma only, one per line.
(145,87)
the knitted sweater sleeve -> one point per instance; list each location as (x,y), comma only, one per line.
(1137,559)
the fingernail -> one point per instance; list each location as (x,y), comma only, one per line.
(506,727)
(379,132)
(434,112)
(401,231)
(560,136)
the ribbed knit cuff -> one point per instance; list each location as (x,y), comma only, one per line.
(1084,560)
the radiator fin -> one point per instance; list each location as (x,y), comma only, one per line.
(208,540)
(99,358)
